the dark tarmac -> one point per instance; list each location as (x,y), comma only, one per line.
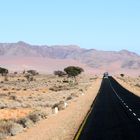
(114,115)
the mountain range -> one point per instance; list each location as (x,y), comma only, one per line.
(19,56)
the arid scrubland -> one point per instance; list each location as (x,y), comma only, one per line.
(130,83)
(23,102)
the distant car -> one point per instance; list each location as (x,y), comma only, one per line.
(105,75)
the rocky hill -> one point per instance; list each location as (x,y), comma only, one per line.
(22,55)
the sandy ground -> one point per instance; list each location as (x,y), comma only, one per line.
(64,125)
(14,113)
(129,85)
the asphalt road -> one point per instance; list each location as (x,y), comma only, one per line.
(115,115)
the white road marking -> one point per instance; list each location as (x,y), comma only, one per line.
(134,114)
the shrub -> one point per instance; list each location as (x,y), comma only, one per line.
(15,129)
(59,73)
(23,80)
(37,116)
(59,88)
(5,89)
(122,75)
(15,73)
(33,72)
(65,81)
(29,77)
(13,97)
(9,128)
(34,117)
(69,98)
(81,90)
(23,72)
(25,122)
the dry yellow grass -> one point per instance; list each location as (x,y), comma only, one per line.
(65,124)
(13,113)
(18,98)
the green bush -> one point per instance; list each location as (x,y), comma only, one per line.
(3,71)
(73,71)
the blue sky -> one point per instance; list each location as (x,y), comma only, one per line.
(99,24)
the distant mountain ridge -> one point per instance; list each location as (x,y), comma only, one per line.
(112,61)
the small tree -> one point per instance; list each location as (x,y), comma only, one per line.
(3,71)
(73,71)
(59,73)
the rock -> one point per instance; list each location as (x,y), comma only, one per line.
(65,104)
(55,110)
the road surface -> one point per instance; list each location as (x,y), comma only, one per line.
(114,115)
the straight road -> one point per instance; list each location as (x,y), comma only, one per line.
(115,115)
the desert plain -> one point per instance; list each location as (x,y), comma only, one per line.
(27,109)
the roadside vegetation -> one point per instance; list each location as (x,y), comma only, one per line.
(27,97)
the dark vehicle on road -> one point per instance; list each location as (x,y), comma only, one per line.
(106,75)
